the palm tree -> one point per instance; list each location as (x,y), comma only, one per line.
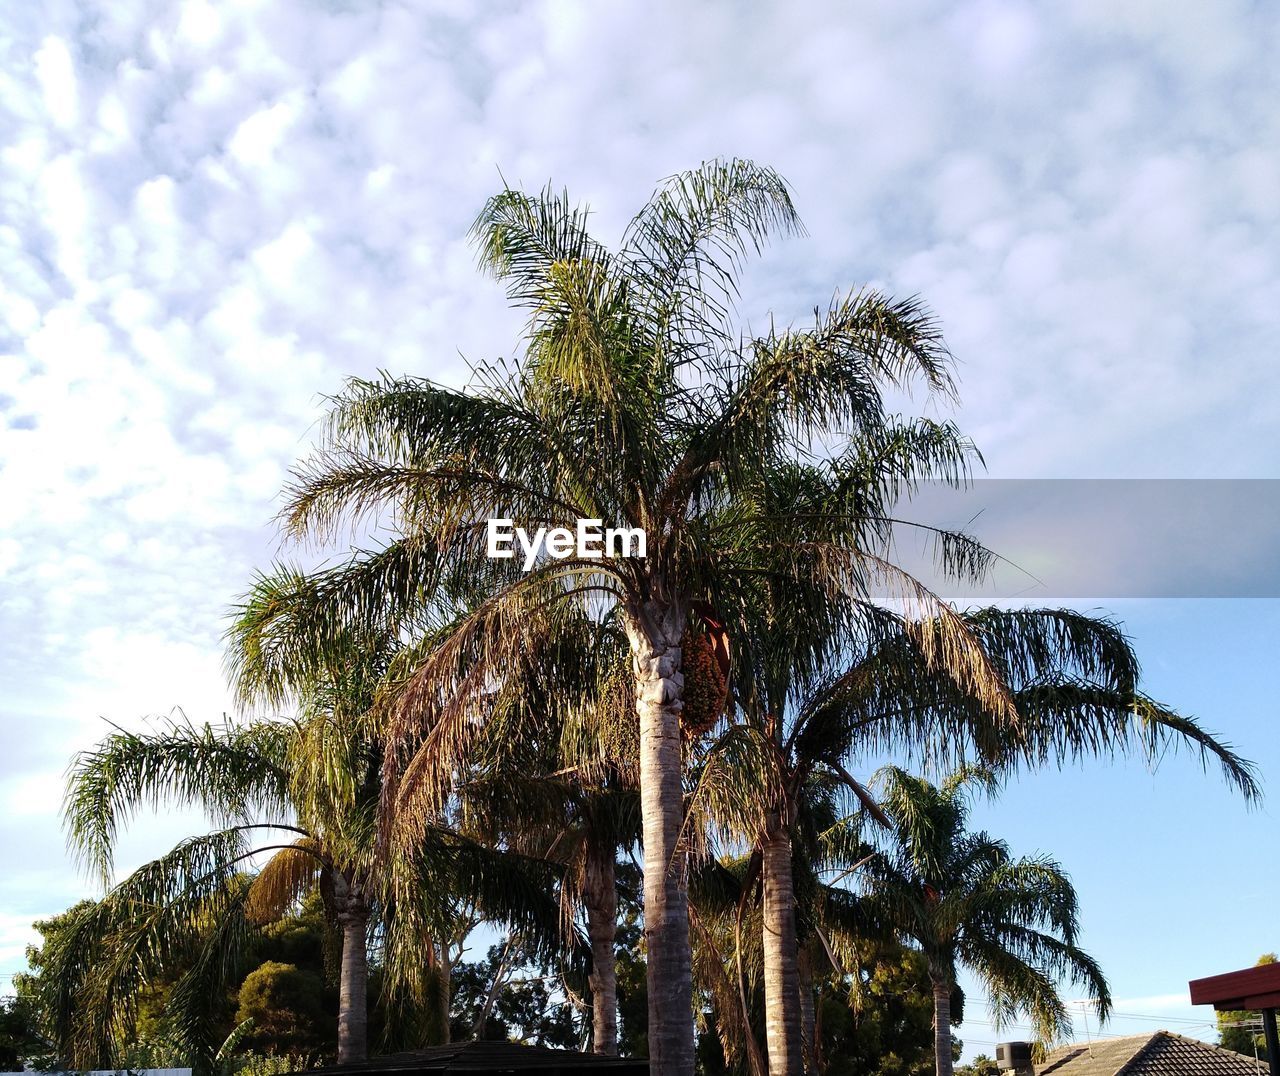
(273,658)
(583,825)
(636,403)
(191,901)
(303,793)
(967,902)
(553,776)
(543,783)
(773,781)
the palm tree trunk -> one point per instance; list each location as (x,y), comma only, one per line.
(942,1028)
(808,1029)
(781,973)
(655,632)
(600,895)
(353,983)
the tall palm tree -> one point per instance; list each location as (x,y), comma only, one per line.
(637,403)
(824,699)
(965,901)
(543,780)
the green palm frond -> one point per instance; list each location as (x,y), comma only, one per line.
(295,628)
(236,773)
(196,1000)
(160,917)
(521,240)
(687,245)
(1162,726)
(1072,681)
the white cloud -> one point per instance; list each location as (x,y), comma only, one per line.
(55,72)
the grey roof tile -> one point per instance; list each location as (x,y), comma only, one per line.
(1159,1053)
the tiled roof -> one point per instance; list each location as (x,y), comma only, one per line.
(486,1056)
(1160,1053)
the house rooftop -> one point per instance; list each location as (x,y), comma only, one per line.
(1159,1053)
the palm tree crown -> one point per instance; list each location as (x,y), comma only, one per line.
(967,902)
(636,402)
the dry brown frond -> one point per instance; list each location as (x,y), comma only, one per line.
(285,879)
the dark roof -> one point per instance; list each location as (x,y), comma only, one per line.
(489,1056)
(1160,1053)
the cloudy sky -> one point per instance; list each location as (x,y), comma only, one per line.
(213,212)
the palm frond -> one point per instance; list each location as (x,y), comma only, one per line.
(284,880)
(687,245)
(236,773)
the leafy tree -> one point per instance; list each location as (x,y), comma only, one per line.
(981,1065)
(882,1024)
(964,900)
(633,990)
(28,1009)
(275,659)
(286,1005)
(20,1039)
(509,995)
(1239,1029)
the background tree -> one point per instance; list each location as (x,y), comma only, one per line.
(879,1019)
(965,901)
(558,781)
(20,1039)
(519,996)
(981,1065)
(286,1007)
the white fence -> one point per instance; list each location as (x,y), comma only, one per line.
(107,1072)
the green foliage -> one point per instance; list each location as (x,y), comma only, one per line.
(267,1064)
(27,1019)
(633,990)
(887,1028)
(306,938)
(151,1037)
(20,1040)
(288,1008)
(981,1065)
